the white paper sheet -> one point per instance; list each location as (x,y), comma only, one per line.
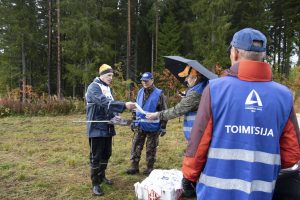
(139,108)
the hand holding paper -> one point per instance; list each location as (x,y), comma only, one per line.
(152,116)
(140,109)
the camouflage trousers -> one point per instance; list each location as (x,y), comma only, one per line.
(138,144)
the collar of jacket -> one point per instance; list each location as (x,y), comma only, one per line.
(149,90)
(98,80)
(249,70)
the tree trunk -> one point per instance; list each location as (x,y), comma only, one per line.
(85,88)
(29,79)
(74,90)
(128,39)
(152,53)
(58,53)
(23,71)
(279,49)
(136,59)
(275,47)
(285,57)
(49,45)
(156,31)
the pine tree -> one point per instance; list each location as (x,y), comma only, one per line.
(209,31)
(182,11)
(49,54)
(169,39)
(22,42)
(88,39)
(59,87)
(284,33)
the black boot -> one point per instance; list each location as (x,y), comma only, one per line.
(106,181)
(147,171)
(149,168)
(96,180)
(102,176)
(134,169)
(97,190)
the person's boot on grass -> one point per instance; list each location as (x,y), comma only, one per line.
(96,180)
(149,169)
(134,169)
(106,180)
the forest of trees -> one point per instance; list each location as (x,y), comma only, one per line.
(56,46)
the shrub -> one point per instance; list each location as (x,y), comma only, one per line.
(171,86)
(41,106)
(292,81)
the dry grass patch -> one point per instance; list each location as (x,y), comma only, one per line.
(47,158)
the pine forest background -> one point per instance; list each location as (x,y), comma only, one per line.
(53,48)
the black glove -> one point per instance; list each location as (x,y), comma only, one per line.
(189,188)
(133,127)
(162,132)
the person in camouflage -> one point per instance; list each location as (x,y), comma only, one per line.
(151,99)
(188,105)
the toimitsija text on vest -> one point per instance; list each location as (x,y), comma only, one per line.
(253,130)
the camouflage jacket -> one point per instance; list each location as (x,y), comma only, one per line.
(187,104)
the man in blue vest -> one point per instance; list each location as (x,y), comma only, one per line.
(245,130)
(150,99)
(189,103)
(101,106)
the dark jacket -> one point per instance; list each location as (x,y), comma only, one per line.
(100,108)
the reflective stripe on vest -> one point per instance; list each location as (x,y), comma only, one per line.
(149,120)
(244,155)
(237,184)
(149,105)
(187,129)
(189,117)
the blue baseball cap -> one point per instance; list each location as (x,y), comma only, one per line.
(146,76)
(244,39)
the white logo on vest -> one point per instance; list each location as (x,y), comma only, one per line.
(253,102)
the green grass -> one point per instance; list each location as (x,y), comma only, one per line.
(47,158)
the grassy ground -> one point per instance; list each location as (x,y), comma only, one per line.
(47,158)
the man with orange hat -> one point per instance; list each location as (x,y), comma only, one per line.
(189,103)
(101,106)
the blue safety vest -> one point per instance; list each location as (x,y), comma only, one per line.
(189,117)
(244,156)
(149,106)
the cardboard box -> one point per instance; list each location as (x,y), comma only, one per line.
(160,185)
